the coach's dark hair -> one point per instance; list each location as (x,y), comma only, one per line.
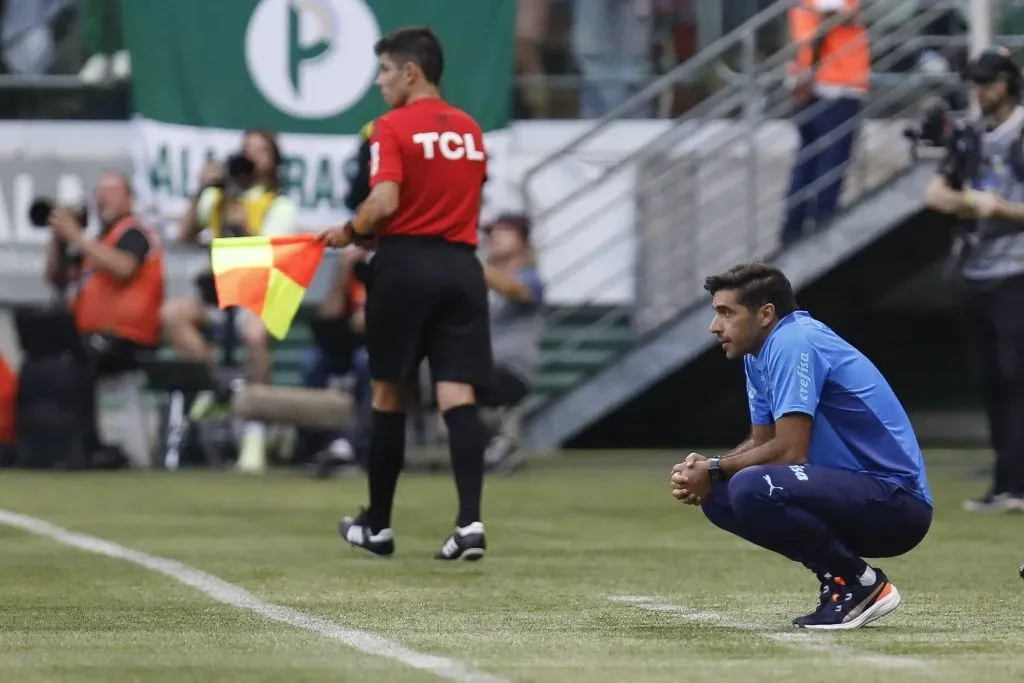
(418,45)
(756,284)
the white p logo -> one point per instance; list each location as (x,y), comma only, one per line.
(312,58)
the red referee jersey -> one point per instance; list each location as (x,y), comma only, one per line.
(435,152)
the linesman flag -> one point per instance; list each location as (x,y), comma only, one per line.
(265,275)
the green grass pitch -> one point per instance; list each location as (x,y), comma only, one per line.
(694,604)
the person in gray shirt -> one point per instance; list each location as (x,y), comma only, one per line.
(516,301)
(991,267)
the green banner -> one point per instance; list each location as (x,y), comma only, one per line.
(306,66)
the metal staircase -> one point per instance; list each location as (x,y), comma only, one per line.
(704,193)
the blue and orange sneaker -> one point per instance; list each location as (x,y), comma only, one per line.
(828,587)
(850,604)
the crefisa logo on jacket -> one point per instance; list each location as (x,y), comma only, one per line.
(312,59)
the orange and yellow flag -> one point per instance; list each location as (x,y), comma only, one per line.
(265,275)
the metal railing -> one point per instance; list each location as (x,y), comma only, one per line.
(708,190)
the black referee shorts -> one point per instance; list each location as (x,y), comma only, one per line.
(427,299)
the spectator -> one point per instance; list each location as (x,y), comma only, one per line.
(531,30)
(830,81)
(516,297)
(611,41)
(254,206)
(103,36)
(357,170)
(339,349)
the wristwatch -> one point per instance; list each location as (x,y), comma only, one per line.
(356,237)
(715,473)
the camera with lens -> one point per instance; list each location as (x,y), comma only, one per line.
(39,213)
(41,208)
(961,139)
(239,176)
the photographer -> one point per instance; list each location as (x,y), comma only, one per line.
(120,286)
(245,199)
(982,181)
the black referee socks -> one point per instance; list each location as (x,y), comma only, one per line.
(467,439)
(387,454)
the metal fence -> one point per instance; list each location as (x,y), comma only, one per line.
(63,59)
(709,190)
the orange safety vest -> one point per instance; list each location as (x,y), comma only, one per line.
(355,296)
(844,65)
(129,310)
(8,401)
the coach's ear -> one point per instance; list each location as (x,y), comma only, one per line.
(793,436)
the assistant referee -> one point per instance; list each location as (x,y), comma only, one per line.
(428,297)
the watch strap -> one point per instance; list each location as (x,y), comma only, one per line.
(356,237)
(715,473)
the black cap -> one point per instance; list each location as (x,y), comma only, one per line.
(986,67)
(519,221)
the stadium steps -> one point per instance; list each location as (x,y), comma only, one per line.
(574,348)
(672,384)
(709,191)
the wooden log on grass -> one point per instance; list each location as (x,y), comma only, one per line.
(309,408)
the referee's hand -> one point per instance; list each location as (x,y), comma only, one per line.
(335,237)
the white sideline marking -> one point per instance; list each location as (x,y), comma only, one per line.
(804,639)
(236,596)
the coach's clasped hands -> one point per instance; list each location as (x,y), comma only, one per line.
(690,481)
